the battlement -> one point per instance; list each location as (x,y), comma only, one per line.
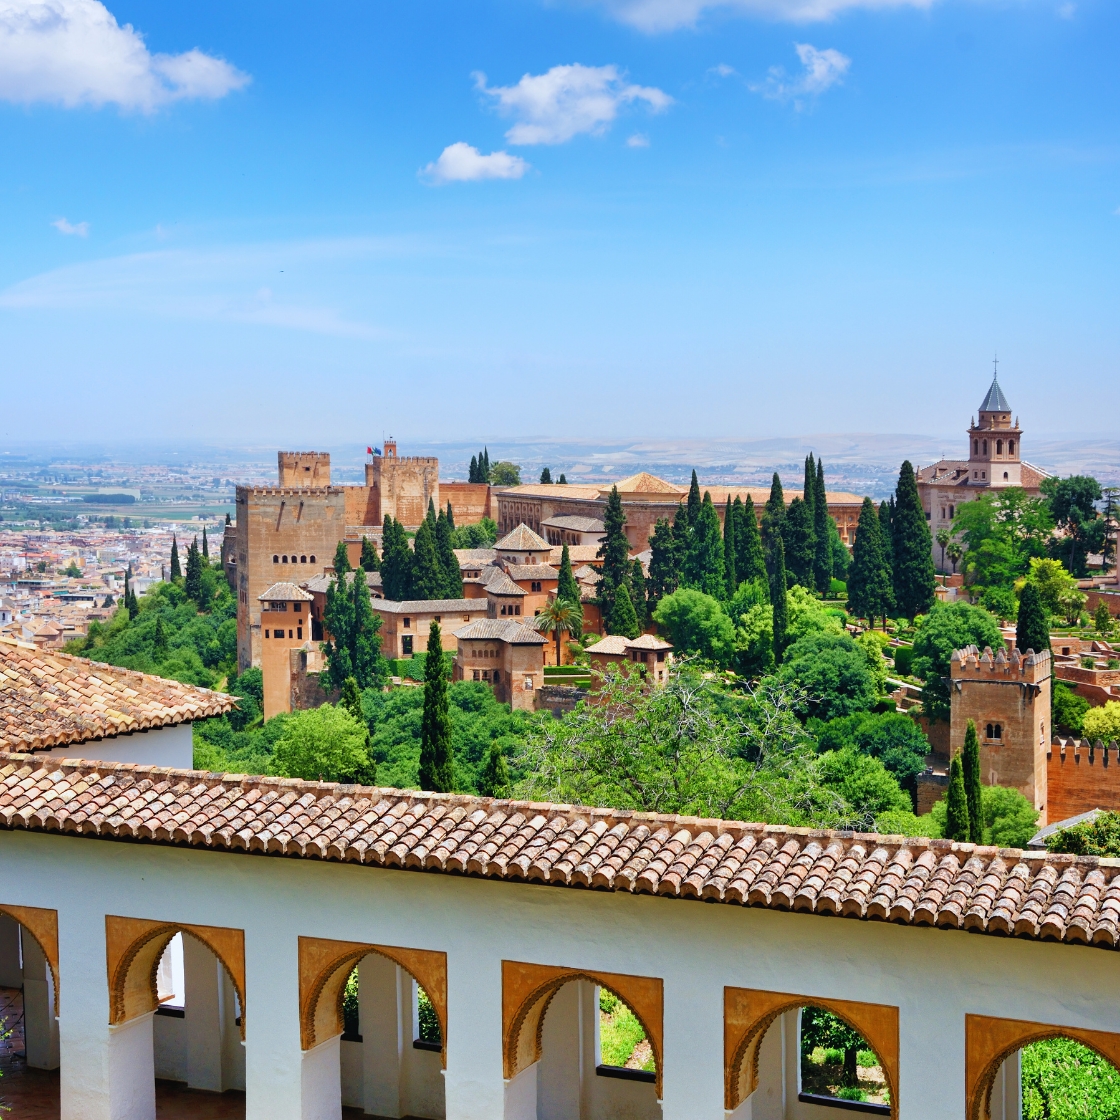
(287,491)
(969,664)
(404,460)
(304,468)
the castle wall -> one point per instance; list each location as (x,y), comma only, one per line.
(402,486)
(1080,777)
(361,506)
(470,501)
(303,468)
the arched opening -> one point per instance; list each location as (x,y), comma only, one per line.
(837,1062)
(373,1025)
(999,447)
(1010,447)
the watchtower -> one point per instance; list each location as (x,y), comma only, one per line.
(994,442)
(304,468)
(401,486)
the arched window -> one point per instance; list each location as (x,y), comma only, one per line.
(975,447)
(285,560)
(312,559)
(999,447)
(1010,447)
(276,559)
(1005,476)
(985,447)
(999,731)
(988,732)
(303,559)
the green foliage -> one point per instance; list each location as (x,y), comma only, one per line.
(638,594)
(664,564)
(370,561)
(1009,818)
(505,473)
(176,572)
(956,803)
(561,616)
(1065,1080)
(1057,589)
(351,1019)
(823,530)
(1033,630)
(341,562)
(773,516)
(703,566)
(193,584)
(1097,837)
(623,618)
(354,648)
(396,561)
(1071,502)
(779,605)
(948,627)
(970,766)
(904,660)
(428,577)
(893,738)
(428,1028)
(322,744)
(493,778)
(822,1028)
(248,687)
(692,504)
(1002,530)
(1102,620)
(1103,722)
(1067,708)
(832,672)
(730,551)
(546,476)
(800,543)
(615,552)
(870,589)
(436,770)
(750,558)
(448,561)
(484,534)
(866,785)
(620,1032)
(750,612)
(841,557)
(1001,602)
(912,548)
(808,615)
(696,623)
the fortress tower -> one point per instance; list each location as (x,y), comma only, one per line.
(401,486)
(304,468)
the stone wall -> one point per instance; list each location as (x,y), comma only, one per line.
(303,468)
(470,501)
(1081,776)
(403,486)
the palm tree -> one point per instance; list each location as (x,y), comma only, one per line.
(943,538)
(560,616)
(955,551)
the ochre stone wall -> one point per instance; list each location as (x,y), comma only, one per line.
(361,506)
(303,468)
(1079,778)
(403,486)
(470,501)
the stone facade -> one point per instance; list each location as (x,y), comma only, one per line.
(470,501)
(507,656)
(404,626)
(401,486)
(301,469)
(1081,776)
(285,625)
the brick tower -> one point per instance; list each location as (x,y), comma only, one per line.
(994,442)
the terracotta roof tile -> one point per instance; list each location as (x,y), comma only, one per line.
(522,539)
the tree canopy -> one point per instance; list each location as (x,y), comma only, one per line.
(947,627)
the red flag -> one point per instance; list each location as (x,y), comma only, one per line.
(369,450)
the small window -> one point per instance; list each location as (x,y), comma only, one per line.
(299,632)
(1005,476)
(496,676)
(408,623)
(266,633)
(516,610)
(999,447)
(276,559)
(660,655)
(475,675)
(528,685)
(983,474)
(285,560)
(988,732)
(536,585)
(485,674)
(975,447)
(289,633)
(312,559)
(985,447)
(952,512)
(303,559)
(999,731)
(406,645)
(437,618)
(1010,447)
(297,607)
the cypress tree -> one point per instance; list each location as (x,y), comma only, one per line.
(1033,629)
(370,561)
(448,561)
(159,640)
(664,568)
(338,622)
(493,779)
(192,582)
(205,545)
(822,532)
(546,476)
(615,553)
(870,594)
(970,765)
(682,538)
(229,520)
(427,575)
(778,604)
(809,485)
(450,516)
(396,561)
(563,479)
(430,516)
(703,566)
(566,586)
(800,547)
(638,594)
(730,551)
(956,814)
(472,470)
(775,513)
(435,723)
(750,557)
(485,464)
(351,699)
(176,571)
(914,577)
(886,533)
(693,500)
(341,558)
(365,640)
(623,618)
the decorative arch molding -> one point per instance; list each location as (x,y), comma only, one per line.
(43,927)
(990,1041)
(325,965)
(133,947)
(527,990)
(749,1013)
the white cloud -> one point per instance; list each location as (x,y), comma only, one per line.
(1067,10)
(722,70)
(668,15)
(75,229)
(462,163)
(638,140)
(552,108)
(822,69)
(73,52)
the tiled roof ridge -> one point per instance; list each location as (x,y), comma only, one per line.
(907,880)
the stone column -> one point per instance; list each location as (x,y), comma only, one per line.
(203,1018)
(39,1024)
(383,1042)
(473,1080)
(132,1071)
(321,1081)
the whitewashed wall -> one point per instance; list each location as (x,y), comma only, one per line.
(162,746)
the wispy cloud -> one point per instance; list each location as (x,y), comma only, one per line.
(568,101)
(820,71)
(73,52)
(638,140)
(72,229)
(669,15)
(1067,10)
(722,70)
(462,163)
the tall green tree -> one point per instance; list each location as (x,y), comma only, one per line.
(886,518)
(664,564)
(799,542)
(436,769)
(624,619)
(370,561)
(354,647)
(563,479)
(615,553)
(192,581)
(1033,629)
(176,570)
(159,642)
(730,551)
(809,484)
(774,515)
(970,766)
(703,564)
(750,557)
(205,545)
(450,514)
(693,504)
(430,516)
(778,596)
(948,627)
(957,825)
(493,778)
(566,586)
(484,465)
(870,590)
(638,596)
(913,570)
(448,561)
(396,561)
(546,476)
(1072,504)
(823,527)
(428,578)
(341,558)
(472,470)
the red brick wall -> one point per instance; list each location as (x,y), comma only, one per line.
(470,501)
(1079,779)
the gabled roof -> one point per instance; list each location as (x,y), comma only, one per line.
(50,699)
(995,401)
(522,539)
(905,881)
(430,606)
(532,571)
(501,584)
(575,524)
(500,630)
(285,593)
(645,483)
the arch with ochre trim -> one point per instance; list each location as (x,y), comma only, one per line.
(989,1042)
(749,1013)
(325,965)
(42,925)
(527,990)
(133,947)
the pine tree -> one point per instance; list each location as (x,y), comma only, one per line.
(427,574)
(563,479)
(448,561)
(450,516)
(703,566)
(205,545)
(870,594)
(970,765)
(750,557)
(546,476)
(778,605)
(615,553)
(956,807)
(192,582)
(159,640)
(693,504)
(730,551)
(396,561)
(638,594)
(822,533)
(176,571)
(370,561)
(623,619)
(472,470)
(341,558)
(914,576)
(800,546)
(435,724)
(774,514)
(493,779)
(664,569)
(566,586)
(1033,629)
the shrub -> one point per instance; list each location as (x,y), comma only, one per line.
(1102,723)
(1067,708)
(833,671)
(904,660)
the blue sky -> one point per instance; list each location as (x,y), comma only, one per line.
(290,223)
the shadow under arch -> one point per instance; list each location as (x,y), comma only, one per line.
(325,965)
(42,925)
(528,989)
(749,1013)
(133,948)
(989,1042)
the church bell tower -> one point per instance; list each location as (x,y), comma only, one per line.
(994,441)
